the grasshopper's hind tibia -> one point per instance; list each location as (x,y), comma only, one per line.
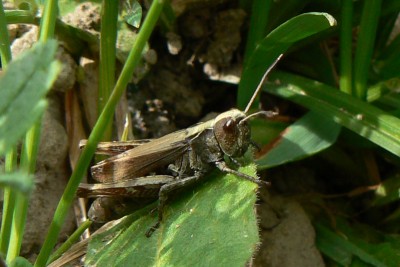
(165,191)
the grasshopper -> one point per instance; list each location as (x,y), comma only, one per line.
(185,154)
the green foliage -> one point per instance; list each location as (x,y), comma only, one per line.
(358,245)
(213,224)
(20,262)
(366,67)
(215,221)
(307,136)
(23,87)
(366,120)
(133,14)
(387,192)
(18,180)
(193,216)
(278,42)
(97,133)
(30,5)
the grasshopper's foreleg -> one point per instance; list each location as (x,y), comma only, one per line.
(167,189)
(224,168)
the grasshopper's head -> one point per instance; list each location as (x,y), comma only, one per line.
(232,132)
(231,128)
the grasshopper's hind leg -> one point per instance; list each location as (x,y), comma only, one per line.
(167,189)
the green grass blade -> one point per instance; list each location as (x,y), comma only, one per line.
(346,44)
(307,136)
(387,65)
(5,51)
(48,21)
(6,219)
(258,25)
(365,46)
(364,119)
(108,38)
(70,241)
(275,43)
(342,250)
(11,155)
(18,226)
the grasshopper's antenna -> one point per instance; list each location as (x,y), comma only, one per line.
(261,83)
(268,114)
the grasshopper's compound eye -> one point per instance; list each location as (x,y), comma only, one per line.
(230,126)
(230,134)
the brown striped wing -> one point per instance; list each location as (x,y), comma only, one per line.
(115,147)
(144,159)
(146,187)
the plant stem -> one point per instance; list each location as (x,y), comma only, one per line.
(48,22)
(30,147)
(28,164)
(10,160)
(70,241)
(96,135)
(5,51)
(108,37)
(8,204)
(346,35)
(365,46)
(258,24)
(257,30)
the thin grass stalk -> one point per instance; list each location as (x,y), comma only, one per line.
(346,43)
(365,46)
(10,159)
(108,37)
(96,135)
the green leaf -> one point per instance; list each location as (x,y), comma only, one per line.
(342,250)
(23,86)
(275,43)
(387,192)
(20,262)
(388,63)
(307,136)
(364,119)
(332,246)
(319,68)
(30,5)
(133,14)
(18,180)
(362,244)
(213,224)
(263,132)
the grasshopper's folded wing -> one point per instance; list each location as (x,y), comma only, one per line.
(115,147)
(142,160)
(147,157)
(146,187)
